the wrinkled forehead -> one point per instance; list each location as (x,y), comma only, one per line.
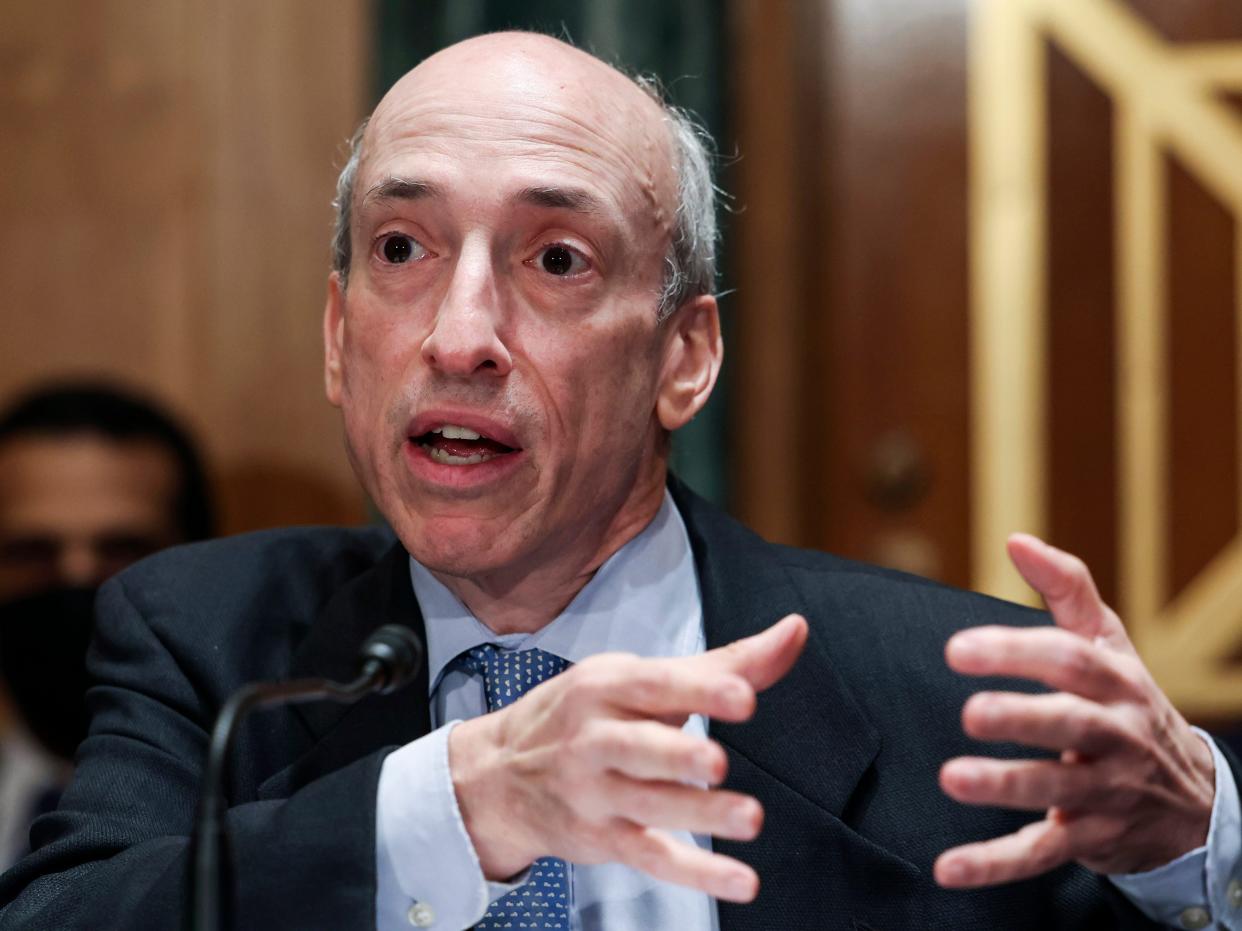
(529,101)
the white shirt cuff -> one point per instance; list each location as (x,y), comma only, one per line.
(1201,888)
(427,870)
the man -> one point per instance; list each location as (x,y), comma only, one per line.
(92,478)
(519,316)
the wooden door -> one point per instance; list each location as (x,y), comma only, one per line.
(851,410)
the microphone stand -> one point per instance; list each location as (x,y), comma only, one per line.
(389,660)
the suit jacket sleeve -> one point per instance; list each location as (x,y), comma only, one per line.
(116,852)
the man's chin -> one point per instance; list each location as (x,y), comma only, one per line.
(461,546)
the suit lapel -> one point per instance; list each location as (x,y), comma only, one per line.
(803,755)
(808,732)
(339,734)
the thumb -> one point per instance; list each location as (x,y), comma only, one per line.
(763,659)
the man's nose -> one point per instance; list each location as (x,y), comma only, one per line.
(79,564)
(466,337)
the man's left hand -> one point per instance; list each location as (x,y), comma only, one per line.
(1134,785)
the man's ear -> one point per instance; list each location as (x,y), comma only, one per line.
(692,355)
(333,338)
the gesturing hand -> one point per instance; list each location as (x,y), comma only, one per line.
(1134,785)
(590,765)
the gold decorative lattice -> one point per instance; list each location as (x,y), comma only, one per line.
(1166,99)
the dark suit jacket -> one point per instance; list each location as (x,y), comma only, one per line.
(843,753)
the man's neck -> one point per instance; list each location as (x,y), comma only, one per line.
(526,601)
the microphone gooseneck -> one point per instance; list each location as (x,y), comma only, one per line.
(393,653)
(388,660)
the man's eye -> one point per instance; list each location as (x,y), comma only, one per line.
(29,551)
(397,248)
(558,259)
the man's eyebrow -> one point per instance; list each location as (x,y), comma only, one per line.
(558,198)
(401,189)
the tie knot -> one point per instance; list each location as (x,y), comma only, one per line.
(507,675)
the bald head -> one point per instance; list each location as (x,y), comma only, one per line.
(519,75)
(531,94)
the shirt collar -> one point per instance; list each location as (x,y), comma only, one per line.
(644,599)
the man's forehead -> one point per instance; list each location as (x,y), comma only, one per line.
(521,62)
(517,95)
(575,200)
(83,471)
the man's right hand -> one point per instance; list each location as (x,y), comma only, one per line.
(593,766)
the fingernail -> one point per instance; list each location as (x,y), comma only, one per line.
(966,777)
(738,886)
(737,698)
(741,819)
(955,871)
(706,765)
(984,709)
(965,649)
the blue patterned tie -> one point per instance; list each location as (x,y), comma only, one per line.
(542,902)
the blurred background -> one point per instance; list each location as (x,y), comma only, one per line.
(981,263)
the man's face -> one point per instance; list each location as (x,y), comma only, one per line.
(76,509)
(496,352)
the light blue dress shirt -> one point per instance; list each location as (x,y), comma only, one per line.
(1202,888)
(643,600)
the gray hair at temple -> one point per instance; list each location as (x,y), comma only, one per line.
(690,266)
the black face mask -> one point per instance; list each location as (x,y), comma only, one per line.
(43,641)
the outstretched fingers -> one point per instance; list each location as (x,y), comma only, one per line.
(1068,589)
(671,689)
(658,854)
(1058,658)
(1033,850)
(1133,787)
(673,806)
(652,750)
(1030,785)
(721,683)
(1052,721)
(765,658)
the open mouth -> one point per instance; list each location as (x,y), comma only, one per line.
(449,444)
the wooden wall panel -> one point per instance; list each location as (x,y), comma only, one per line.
(1193,21)
(1201,241)
(1082,451)
(1201,353)
(775,247)
(165,176)
(893,279)
(850,392)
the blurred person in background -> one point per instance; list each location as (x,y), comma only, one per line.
(92,479)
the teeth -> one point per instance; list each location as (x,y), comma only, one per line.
(453,432)
(439,455)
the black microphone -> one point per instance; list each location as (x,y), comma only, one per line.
(388,660)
